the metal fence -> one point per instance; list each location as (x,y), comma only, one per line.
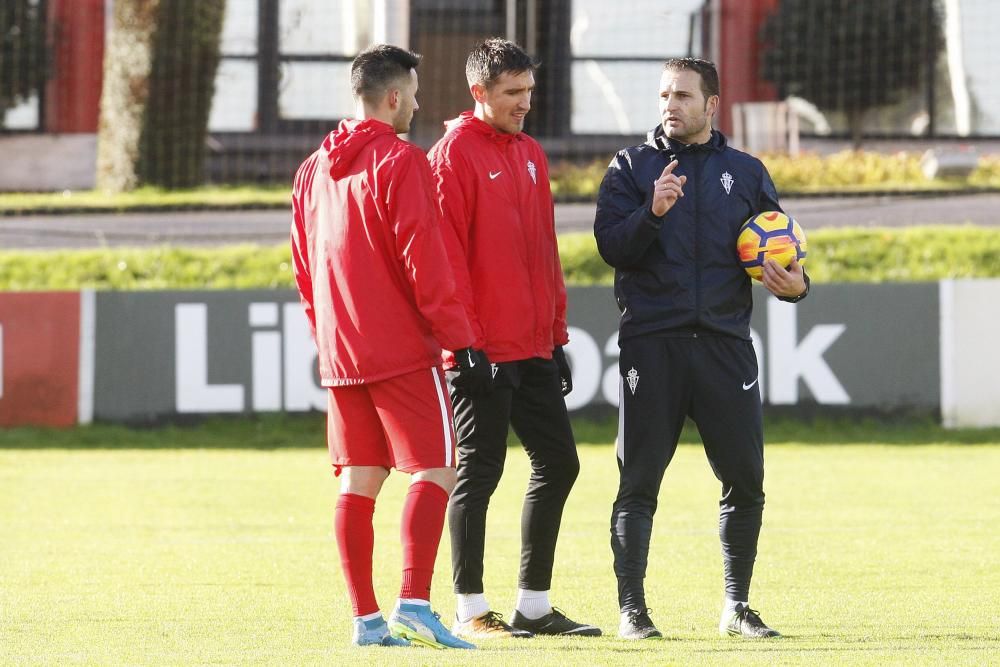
(594,87)
(22,62)
(282,79)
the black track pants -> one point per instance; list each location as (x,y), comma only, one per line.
(527,397)
(712,380)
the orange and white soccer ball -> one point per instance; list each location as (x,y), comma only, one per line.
(770,235)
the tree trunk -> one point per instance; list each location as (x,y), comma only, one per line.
(186,58)
(159,79)
(128,61)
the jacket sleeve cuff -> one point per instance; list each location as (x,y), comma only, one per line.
(654,221)
(796,299)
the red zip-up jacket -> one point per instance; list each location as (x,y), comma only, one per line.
(369,260)
(497,211)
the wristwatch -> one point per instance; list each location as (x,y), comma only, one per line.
(796,299)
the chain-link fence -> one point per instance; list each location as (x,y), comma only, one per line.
(600,68)
(22,62)
(279,77)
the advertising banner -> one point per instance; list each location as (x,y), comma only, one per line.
(165,354)
(162,354)
(39,358)
(868,347)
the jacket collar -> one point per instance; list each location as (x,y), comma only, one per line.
(351,136)
(467,122)
(659,140)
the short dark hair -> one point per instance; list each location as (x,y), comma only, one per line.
(494,57)
(377,68)
(706,68)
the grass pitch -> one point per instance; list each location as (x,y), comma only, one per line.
(213,545)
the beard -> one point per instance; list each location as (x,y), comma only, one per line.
(686,132)
(401,123)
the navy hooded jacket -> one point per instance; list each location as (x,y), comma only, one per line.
(678,274)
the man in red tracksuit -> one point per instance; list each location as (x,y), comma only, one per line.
(493,189)
(373,275)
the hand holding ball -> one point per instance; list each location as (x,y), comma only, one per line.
(770,235)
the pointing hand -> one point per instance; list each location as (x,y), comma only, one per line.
(667,189)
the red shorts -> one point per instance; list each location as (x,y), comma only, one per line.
(403,422)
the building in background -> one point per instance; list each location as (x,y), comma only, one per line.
(283,79)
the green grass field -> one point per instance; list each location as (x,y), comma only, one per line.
(213,545)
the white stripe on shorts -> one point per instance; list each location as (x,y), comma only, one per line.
(445,421)
(620,438)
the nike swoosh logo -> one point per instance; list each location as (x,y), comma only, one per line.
(493,176)
(747,386)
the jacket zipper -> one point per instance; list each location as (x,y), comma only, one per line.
(697,236)
(528,247)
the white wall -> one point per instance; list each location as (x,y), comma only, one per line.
(970,353)
(36,162)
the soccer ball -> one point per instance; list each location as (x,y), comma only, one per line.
(770,235)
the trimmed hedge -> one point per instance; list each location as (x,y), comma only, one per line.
(162,267)
(148,198)
(847,171)
(851,254)
(906,254)
(853,171)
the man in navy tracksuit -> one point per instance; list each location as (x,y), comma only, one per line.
(668,215)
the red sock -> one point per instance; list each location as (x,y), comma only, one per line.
(352,524)
(423,521)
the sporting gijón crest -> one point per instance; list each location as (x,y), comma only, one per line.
(632,377)
(727,181)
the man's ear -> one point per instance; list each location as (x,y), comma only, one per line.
(712,105)
(478,91)
(392,97)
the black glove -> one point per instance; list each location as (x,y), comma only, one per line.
(474,375)
(565,375)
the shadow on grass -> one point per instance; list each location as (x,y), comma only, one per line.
(263,432)
(267,432)
(823,431)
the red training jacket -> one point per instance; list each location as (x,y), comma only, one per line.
(497,212)
(369,260)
